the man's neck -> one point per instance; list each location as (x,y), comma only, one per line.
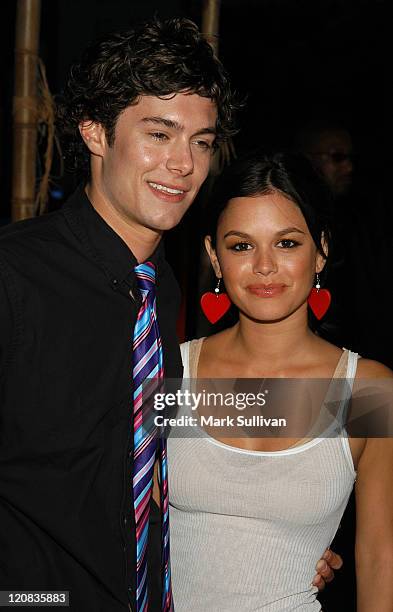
(141,241)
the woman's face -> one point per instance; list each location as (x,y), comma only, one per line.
(265,255)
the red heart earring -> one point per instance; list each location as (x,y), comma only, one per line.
(319,300)
(215,305)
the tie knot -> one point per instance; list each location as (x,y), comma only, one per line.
(146,276)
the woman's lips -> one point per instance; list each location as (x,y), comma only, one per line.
(266,291)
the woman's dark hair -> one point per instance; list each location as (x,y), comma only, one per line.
(288,173)
(158,58)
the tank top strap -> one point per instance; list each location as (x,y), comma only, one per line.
(190,352)
(352,365)
(350,375)
(332,415)
(340,391)
(185,356)
(195,351)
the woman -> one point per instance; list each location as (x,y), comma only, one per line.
(251,515)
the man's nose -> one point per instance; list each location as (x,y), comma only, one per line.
(180,159)
(347,165)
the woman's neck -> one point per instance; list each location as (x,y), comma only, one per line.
(275,344)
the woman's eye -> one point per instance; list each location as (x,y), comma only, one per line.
(241,246)
(160,136)
(288,244)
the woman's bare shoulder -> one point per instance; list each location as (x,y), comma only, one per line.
(325,352)
(368,368)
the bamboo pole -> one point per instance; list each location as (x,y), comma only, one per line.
(210,22)
(210,29)
(25,108)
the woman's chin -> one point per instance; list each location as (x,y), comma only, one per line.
(269,315)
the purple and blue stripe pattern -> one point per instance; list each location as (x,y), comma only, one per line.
(148,374)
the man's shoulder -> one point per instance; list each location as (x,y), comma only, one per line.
(44,232)
(28,228)
(24,244)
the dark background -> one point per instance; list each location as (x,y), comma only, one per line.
(294,59)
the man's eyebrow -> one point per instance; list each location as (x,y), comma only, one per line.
(206,130)
(169,123)
(175,125)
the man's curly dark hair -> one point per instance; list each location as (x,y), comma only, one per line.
(157,58)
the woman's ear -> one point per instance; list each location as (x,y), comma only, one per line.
(93,135)
(321,258)
(212,256)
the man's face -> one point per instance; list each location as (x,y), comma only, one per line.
(159,159)
(332,155)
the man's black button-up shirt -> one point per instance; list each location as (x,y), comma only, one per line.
(68,306)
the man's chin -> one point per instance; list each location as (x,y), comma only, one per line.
(342,188)
(165,224)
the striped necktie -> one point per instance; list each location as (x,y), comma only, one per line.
(148,373)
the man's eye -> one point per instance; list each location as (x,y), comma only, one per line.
(241,246)
(203,144)
(158,136)
(288,244)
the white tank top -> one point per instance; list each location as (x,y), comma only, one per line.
(247,527)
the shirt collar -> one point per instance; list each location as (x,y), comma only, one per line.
(104,244)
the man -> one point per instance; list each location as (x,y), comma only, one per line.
(142,113)
(328,145)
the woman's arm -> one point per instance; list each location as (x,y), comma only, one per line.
(374,527)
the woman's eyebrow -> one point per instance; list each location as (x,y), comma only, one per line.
(287,230)
(236,233)
(290,230)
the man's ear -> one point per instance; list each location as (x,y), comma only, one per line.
(93,135)
(212,256)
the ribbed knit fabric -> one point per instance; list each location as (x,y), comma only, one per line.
(248,527)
